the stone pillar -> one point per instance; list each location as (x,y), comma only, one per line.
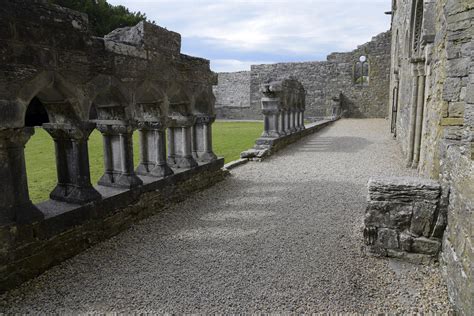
(419,116)
(202,139)
(72,162)
(286,122)
(411,135)
(302,119)
(292,121)
(15,203)
(118,154)
(270,110)
(281,123)
(179,142)
(153,149)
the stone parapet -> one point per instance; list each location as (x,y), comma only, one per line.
(69,229)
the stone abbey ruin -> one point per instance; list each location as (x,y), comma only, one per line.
(54,74)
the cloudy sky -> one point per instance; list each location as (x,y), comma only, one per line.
(235,34)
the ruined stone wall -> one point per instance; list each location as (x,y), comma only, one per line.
(440,49)
(134,78)
(233,95)
(325,80)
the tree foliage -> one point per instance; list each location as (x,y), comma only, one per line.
(103,17)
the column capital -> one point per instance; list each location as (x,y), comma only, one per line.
(182,121)
(205,119)
(113,127)
(160,124)
(76,131)
(15,137)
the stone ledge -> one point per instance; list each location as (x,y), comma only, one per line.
(265,147)
(28,250)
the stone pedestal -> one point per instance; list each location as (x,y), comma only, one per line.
(15,203)
(118,154)
(72,162)
(179,142)
(202,139)
(153,149)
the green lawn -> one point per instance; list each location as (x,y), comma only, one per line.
(229,139)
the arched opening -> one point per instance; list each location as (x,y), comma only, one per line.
(39,154)
(36,113)
(361,71)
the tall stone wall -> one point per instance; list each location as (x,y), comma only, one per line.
(233,95)
(432,107)
(323,81)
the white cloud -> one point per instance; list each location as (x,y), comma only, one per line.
(284,28)
(231,65)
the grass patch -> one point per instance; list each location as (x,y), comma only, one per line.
(229,139)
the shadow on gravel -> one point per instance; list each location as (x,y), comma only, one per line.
(334,144)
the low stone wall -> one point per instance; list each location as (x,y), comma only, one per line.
(403,218)
(28,250)
(266,147)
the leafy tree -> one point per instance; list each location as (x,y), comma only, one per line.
(103,17)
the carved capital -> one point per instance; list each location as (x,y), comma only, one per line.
(79,131)
(182,121)
(15,137)
(115,127)
(203,119)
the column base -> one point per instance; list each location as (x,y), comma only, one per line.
(206,157)
(75,194)
(119,180)
(154,170)
(185,162)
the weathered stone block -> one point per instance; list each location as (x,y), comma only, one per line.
(456,109)
(406,242)
(426,246)
(387,238)
(423,217)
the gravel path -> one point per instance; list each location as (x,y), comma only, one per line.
(283,235)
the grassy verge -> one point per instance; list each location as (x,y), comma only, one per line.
(229,139)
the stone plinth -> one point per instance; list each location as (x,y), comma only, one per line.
(401,218)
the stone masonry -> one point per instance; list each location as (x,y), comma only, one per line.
(322,81)
(401,219)
(432,115)
(133,79)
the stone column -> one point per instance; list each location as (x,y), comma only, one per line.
(118,154)
(72,162)
(287,122)
(292,121)
(153,149)
(270,111)
(179,142)
(419,116)
(202,139)
(302,119)
(411,131)
(15,203)
(281,123)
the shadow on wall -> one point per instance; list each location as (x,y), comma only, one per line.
(349,109)
(334,144)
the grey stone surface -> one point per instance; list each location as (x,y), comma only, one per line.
(401,212)
(264,240)
(323,81)
(55,74)
(432,41)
